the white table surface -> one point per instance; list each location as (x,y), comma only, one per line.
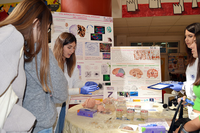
(101,123)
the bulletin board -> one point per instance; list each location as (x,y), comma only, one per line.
(133,69)
(94,36)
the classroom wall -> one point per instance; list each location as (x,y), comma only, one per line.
(117,13)
(9,1)
(127,40)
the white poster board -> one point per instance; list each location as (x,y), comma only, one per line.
(94,36)
(133,69)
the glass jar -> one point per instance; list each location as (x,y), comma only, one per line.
(144,114)
(121,104)
(130,114)
(137,108)
(109,104)
(137,111)
(119,113)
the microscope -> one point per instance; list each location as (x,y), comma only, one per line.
(171,100)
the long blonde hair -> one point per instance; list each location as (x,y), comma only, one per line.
(65,38)
(23,18)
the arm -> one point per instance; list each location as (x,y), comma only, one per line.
(76,85)
(190,126)
(59,82)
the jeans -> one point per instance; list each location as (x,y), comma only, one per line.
(61,119)
(49,130)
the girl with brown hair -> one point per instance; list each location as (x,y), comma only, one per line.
(46,84)
(64,52)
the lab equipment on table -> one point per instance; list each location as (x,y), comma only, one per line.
(87,112)
(151,128)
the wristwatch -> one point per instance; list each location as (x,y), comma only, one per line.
(182,129)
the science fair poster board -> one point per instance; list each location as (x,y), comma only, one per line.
(94,36)
(133,69)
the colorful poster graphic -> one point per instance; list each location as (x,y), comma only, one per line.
(92,49)
(133,69)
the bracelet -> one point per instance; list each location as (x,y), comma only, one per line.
(182,129)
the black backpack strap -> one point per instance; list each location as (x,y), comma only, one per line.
(174,118)
(181,112)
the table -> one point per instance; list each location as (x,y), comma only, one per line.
(101,123)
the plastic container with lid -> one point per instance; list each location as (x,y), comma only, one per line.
(144,114)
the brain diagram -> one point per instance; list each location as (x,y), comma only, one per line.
(152,73)
(119,72)
(136,72)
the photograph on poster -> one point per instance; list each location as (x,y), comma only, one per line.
(146,55)
(134,93)
(73,29)
(97,37)
(109,29)
(109,39)
(79,49)
(105,47)
(89,28)
(106,77)
(123,94)
(96,74)
(127,94)
(105,69)
(88,74)
(92,49)
(108,84)
(99,29)
(81,30)
(77,29)
(106,56)
(79,69)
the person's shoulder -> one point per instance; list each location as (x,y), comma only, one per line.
(10,34)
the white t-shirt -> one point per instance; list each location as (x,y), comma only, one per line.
(73,81)
(191,73)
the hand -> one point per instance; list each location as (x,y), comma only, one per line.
(183,99)
(176,87)
(89,83)
(176,131)
(88,89)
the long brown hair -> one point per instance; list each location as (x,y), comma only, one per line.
(65,38)
(193,28)
(197,35)
(23,18)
